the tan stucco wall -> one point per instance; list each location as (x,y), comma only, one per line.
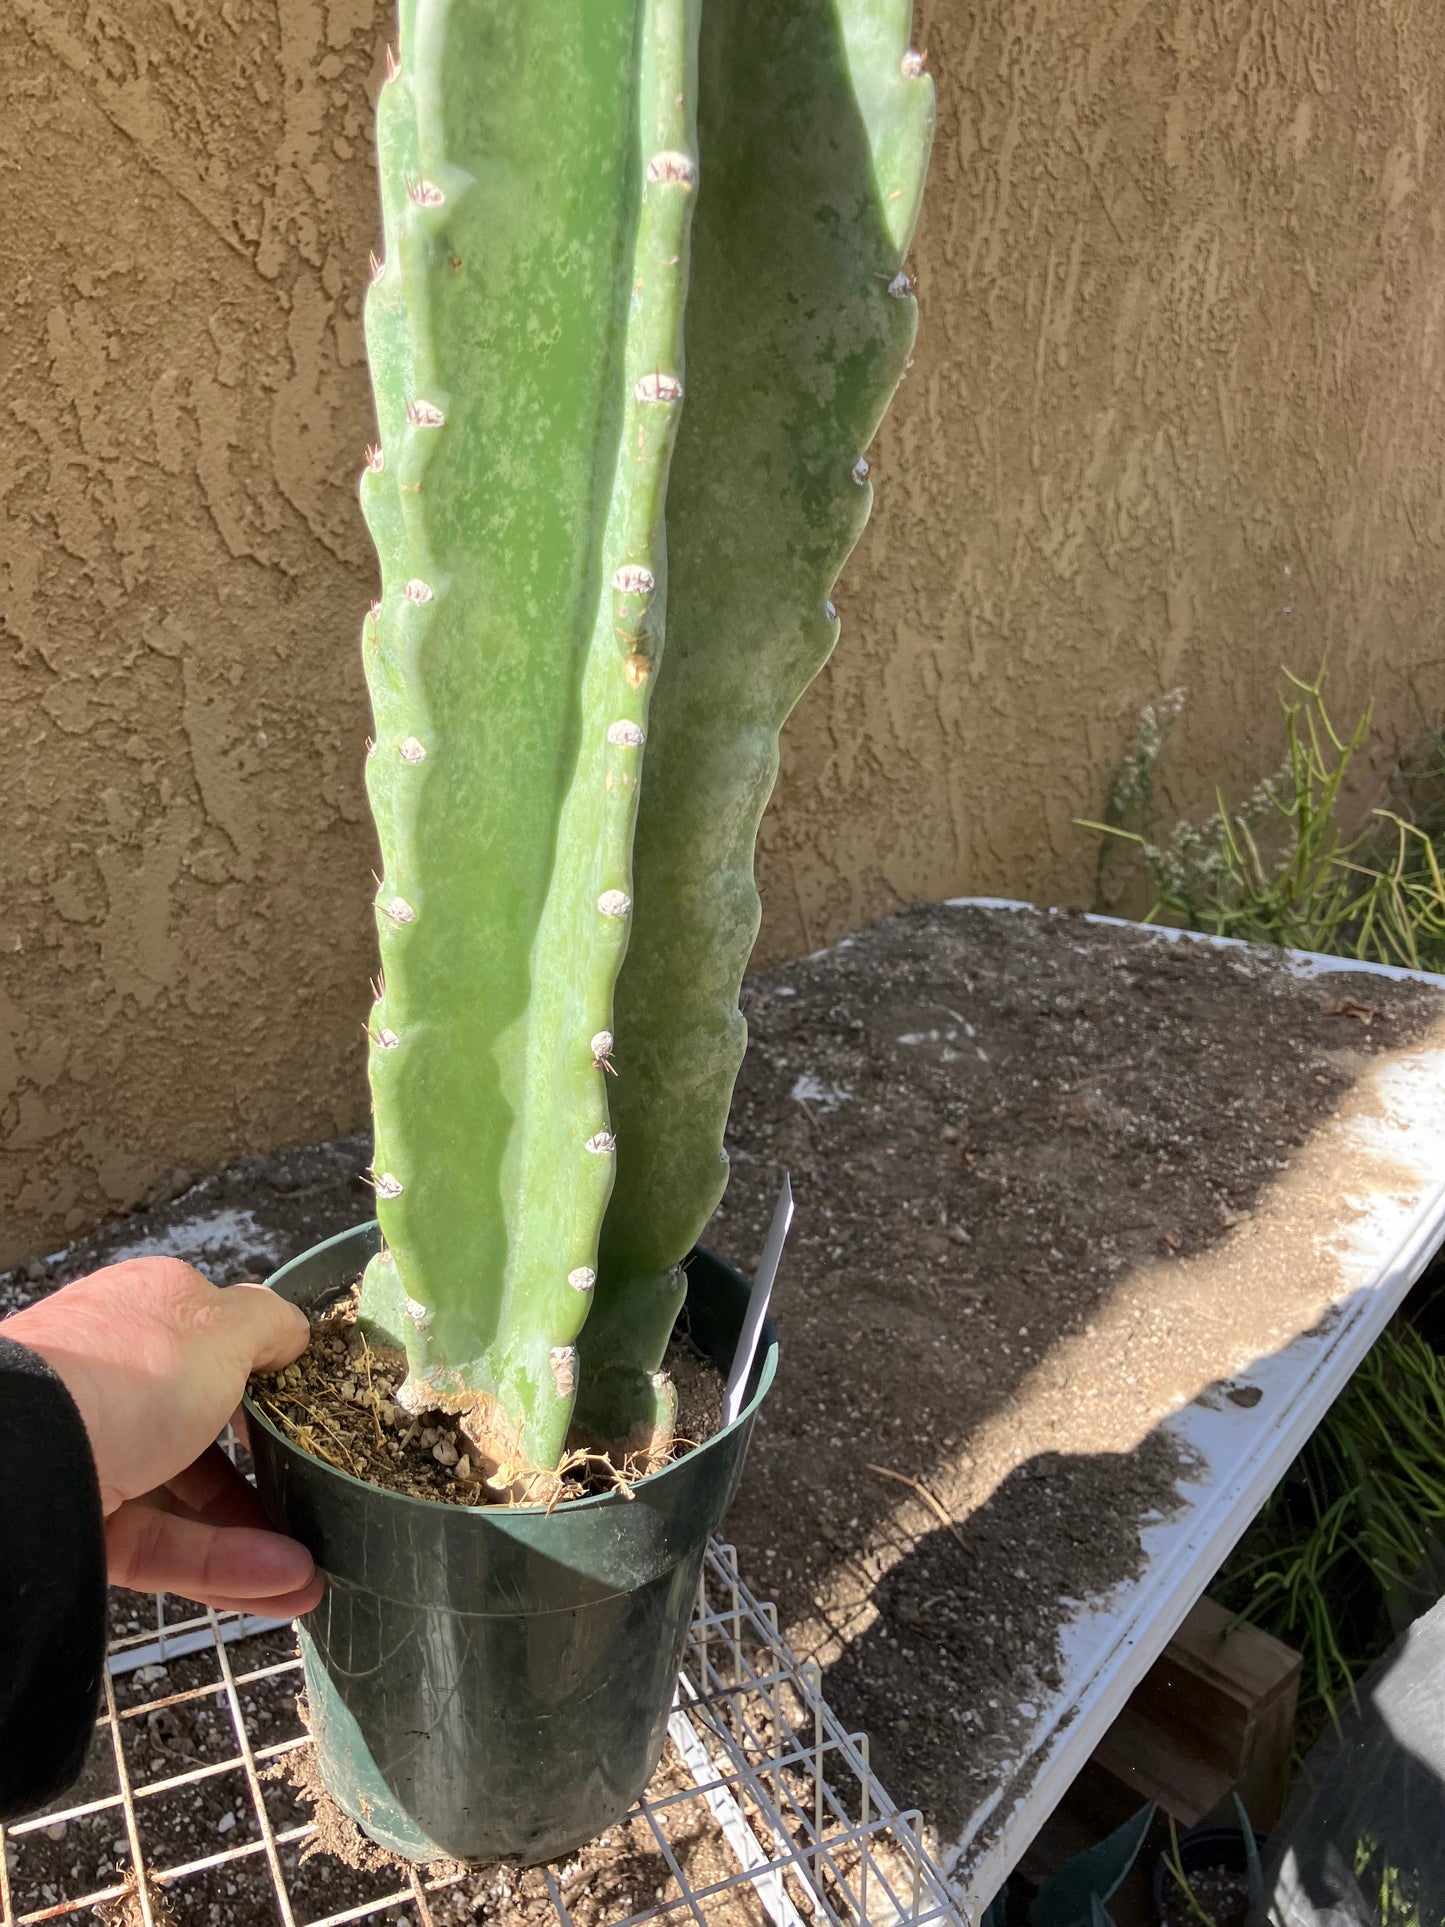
(1175,416)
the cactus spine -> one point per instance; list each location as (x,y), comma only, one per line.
(539,169)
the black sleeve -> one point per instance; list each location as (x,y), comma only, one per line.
(52,1584)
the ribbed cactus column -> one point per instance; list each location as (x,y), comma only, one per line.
(525,337)
(815,120)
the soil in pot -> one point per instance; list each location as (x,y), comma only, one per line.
(1214,1860)
(338,1402)
(1219,1892)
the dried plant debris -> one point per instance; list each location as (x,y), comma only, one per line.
(338,1402)
(125,1910)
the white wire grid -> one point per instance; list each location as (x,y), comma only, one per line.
(764,1812)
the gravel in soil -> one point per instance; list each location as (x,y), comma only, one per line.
(339,1402)
(1054,1181)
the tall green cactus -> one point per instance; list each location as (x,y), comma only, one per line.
(525,329)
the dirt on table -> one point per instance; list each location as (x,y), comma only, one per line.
(1055,1180)
(622,1873)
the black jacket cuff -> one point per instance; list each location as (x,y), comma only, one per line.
(52,1599)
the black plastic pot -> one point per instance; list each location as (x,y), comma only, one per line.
(1200,1849)
(495,1682)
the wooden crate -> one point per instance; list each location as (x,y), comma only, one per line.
(1213,1716)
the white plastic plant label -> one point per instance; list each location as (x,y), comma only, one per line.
(758,1301)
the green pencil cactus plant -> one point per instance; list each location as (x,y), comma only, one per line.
(639,309)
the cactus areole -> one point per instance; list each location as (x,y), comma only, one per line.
(639,309)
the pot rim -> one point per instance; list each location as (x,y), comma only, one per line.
(765,1366)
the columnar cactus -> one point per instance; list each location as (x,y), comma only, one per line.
(549,1138)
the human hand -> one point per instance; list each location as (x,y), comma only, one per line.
(156,1359)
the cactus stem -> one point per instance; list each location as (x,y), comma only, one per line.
(506,1285)
(833,244)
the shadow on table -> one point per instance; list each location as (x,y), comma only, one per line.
(957,1626)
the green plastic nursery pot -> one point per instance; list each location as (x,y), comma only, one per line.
(495,1682)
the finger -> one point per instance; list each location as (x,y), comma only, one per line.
(239,1426)
(272,1331)
(213,1491)
(288,1605)
(155,1551)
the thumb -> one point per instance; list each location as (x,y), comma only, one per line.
(152,1550)
(267,1328)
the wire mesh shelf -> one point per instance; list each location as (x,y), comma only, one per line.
(192,1808)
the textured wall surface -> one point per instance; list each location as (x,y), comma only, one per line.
(1175,416)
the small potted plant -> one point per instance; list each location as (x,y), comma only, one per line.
(639,310)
